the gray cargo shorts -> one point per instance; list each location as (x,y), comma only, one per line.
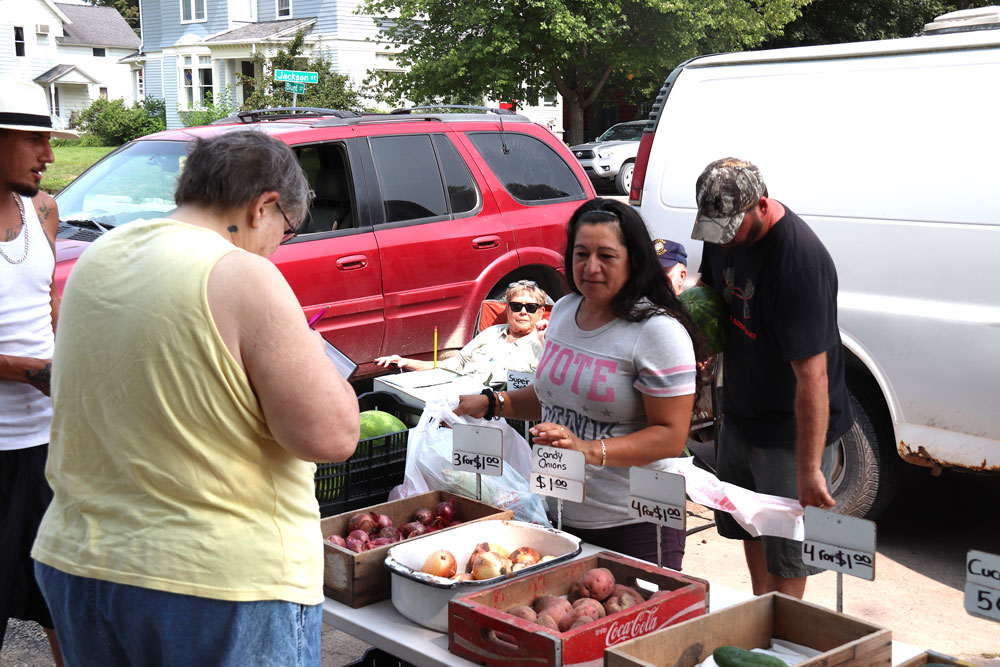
(770,470)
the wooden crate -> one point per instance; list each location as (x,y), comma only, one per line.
(935,658)
(752,624)
(479,629)
(359,579)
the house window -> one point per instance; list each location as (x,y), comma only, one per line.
(137,85)
(284,8)
(198,82)
(99,52)
(55,109)
(247,69)
(19,41)
(192,10)
(103,92)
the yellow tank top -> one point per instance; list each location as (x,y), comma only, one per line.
(165,473)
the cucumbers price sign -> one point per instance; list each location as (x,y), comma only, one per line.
(657,496)
(838,542)
(559,473)
(982,584)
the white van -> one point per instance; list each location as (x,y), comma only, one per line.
(890,151)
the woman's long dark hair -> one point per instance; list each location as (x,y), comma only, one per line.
(646,279)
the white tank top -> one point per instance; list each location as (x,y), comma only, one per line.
(25,330)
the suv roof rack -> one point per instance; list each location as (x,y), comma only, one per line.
(276,113)
(463,107)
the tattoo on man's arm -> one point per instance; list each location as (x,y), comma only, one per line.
(41,377)
(11,234)
(44,210)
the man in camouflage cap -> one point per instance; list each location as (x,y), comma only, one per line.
(785,404)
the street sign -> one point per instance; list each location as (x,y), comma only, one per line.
(291,87)
(288,75)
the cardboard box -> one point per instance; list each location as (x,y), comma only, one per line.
(359,579)
(933,657)
(752,624)
(480,630)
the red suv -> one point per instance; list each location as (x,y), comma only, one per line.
(417,217)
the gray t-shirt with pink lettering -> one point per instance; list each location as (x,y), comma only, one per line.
(592,382)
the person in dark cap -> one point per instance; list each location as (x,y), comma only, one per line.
(785,402)
(674,260)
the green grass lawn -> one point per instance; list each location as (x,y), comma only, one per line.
(70,162)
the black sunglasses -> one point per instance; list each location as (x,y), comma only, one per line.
(517,307)
(290,231)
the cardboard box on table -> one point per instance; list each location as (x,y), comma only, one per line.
(359,579)
(480,630)
(842,640)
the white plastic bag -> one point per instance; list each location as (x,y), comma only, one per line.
(429,465)
(758,513)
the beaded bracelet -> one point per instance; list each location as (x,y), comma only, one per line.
(491,407)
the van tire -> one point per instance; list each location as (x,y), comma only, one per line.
(623,181)
(868,471)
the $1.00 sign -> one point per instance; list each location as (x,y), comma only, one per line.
(982,584)
(838,542)
(559,473)
(477,449)
(657,496)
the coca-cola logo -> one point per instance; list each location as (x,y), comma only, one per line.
(642,623)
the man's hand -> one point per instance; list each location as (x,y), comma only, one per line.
(812,490)
(40,378)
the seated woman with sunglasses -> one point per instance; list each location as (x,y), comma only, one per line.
(514,346)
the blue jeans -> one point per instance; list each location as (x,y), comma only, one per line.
(100,623)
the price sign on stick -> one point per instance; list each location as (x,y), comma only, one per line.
(518,380)
(559,473)
(657,496)
(477,449)
(982,584)
(841,543)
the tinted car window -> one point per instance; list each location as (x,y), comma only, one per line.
(409,177)
(463,195)
(530,171)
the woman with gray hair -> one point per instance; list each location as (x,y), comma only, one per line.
(514,346)
(191,400)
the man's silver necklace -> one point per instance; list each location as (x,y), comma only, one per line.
(24,232)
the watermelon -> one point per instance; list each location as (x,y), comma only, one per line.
(375,425)
(710,313)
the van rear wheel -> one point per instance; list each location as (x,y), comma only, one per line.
(867,473)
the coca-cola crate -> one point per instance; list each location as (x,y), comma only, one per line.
(480,630)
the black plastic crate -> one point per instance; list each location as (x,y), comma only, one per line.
(377,465)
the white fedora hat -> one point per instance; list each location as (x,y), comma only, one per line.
(23,107)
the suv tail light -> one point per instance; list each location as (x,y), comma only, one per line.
(639,173)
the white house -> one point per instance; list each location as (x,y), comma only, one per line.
(193,47)
(73,51)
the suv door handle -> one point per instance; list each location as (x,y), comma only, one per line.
(352,262)
(485,242)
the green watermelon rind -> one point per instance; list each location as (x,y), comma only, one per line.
(710,313)
(375,426)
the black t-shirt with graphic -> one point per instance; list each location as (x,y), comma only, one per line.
(782,296)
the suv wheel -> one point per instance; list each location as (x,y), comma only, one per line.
(623,181)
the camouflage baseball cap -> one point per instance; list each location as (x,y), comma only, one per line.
(725,191)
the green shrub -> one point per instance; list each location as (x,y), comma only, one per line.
(113,123)
(210,111)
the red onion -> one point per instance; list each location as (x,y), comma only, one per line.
(337,540)
(412,529)
(363,521)
(359,535)
(382,521)
(389,532)
(380,542)
(355,545)
(423,515)
(445,510)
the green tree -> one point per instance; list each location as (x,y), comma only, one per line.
(333,91)
(521,49)
(839,21)
(129,9)
(113,123)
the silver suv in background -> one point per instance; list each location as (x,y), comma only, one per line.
(612,156)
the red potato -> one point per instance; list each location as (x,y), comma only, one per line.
(523,611)
(567,621)
(617,603)
(553,606)
(547,621)
(574,591)
(581,620)
(589,607)
(597,583)
(623,589)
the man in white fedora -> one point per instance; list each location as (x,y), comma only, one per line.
(28,310)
